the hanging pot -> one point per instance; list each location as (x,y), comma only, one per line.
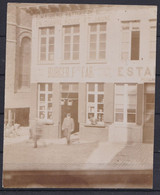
(69,103)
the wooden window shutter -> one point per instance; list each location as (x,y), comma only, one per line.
(82,103)
(140,99)
(109,102)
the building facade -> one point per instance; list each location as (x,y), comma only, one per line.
(98,63)
(18,63)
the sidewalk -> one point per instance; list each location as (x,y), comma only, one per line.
(19,154)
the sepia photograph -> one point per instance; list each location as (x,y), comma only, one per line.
(79,96)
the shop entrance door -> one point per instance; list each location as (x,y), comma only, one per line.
(69,104)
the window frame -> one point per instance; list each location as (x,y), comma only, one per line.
(125,105)
(152,29)
(130,28)
(71,35)
(97,33)
(95,104)
(46,93)
(47,36)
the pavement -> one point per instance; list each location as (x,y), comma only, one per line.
(19,154)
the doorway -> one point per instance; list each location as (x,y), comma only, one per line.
(69,104)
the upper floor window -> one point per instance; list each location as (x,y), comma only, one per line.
(97,41)
(47,44)
(71,42)
(152,51)
(25,62)
(130,40)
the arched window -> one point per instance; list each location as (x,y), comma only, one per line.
(25,63)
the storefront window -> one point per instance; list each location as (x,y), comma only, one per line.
(97,41)
(45,107)
(95,103)
(152,39)
(125,103)
(71,42)
(130,40)
(47,44)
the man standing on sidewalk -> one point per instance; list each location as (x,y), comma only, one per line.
(68,127)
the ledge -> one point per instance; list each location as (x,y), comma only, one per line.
(96,126)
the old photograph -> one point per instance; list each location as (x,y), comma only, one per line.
(79,96)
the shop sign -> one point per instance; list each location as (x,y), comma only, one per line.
(99,73)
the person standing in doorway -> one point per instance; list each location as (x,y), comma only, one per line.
(68,127)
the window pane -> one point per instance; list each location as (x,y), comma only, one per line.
(49,106)
(65,87)
(76,39)
(119,89)
(119,99)
(41,114)
(150,98)
(93,28)
(67,56)
(93,38)
(149,118)
(119,117)
(75,55)
(51,30)
(49,115)
(101,98)
(132,89)
(91,87)
(43,48)
(125,56)
(92,46)
(43,40)
(125,47)
(67,39)
(49,97)
(103,27)
(131,118)
(132,99)
(67,47)
(102,38)
(43,56)
(100,87)
(51,40)
(90,98)
(49,87)
(100,108)
(102,55)
(102,46)
(43,31)
(42,97)
(50,56)
(92,55)
(67,29)
(51,48)
(75,47)
(125,36)
(131,111)
(135,45)
(150,108)
(76,29)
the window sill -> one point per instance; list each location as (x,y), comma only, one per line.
(96,126)
(23,90)
(45,63)
(97,62)
(70,62)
